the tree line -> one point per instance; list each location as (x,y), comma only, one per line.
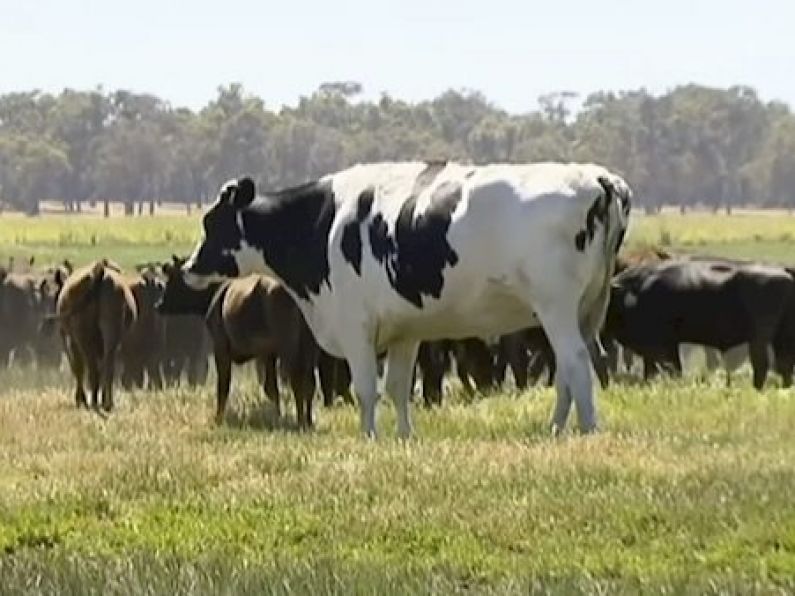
(694,145)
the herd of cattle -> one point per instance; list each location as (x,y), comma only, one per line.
(281,278)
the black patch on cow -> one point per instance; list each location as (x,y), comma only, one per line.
(365,203)
(597,212)
(381,243)
(469,174)
(351,244)
(291,229)
(417,252)
(579,240)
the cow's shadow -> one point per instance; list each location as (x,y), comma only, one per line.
(262,417)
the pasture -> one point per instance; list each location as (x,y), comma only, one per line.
(688,488)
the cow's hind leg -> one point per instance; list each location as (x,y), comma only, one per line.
(573,377)
(77,365)
(399,369)
(269,378)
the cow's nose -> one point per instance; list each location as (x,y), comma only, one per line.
(193,281)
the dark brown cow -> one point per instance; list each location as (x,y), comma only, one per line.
(48,346)
(95,309)
(19,317)
(184,341)
(712,302)
(335,378)
(250,318)
(475,365)
(142,348)
(186,350)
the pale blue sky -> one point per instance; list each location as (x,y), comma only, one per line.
(512,50)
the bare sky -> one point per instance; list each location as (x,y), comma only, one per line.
(512,50)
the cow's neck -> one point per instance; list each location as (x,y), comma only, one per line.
(290,229)
(200,300)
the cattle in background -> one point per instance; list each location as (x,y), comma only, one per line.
(529,353)
(186,350)
(513,353)
(784,340)
(433,362)
(380,257)
(95,309)
(25,297)
(335,378)
(632,256)
(142,349)
(730,360)
(185,346)
(474,362)
(19,317)
(48,346)
(252,318)
(718,303)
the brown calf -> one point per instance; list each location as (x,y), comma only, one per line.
(250,318)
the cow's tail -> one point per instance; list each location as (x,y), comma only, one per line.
(614,210)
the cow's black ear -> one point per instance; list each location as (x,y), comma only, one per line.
(245,193)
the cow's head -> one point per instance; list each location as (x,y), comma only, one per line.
(178,298)
(220,254)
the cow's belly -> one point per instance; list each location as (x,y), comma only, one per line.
(495,312)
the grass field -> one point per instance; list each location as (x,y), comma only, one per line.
(688,488)
(751,234)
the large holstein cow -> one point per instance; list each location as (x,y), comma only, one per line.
(382,256)
(717,303)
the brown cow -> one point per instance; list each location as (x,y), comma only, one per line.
(142,348)
(250,318)
(95,309)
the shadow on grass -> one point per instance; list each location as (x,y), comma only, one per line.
(263,417)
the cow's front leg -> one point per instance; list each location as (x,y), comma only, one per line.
(364,372)
(399,369)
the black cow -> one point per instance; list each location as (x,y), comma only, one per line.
(717,303)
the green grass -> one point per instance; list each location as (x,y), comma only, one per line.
(131,240)
(687,488)
(127,240)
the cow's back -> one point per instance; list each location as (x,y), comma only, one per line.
(710,303)
(495,227)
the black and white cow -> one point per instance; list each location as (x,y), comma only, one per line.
(381,256)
